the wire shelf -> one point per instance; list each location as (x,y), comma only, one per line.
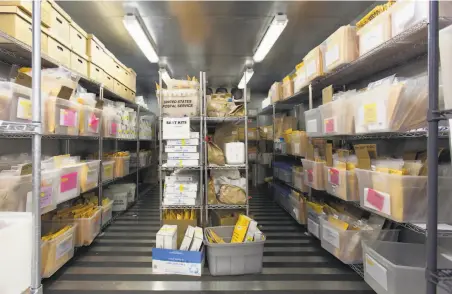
(279,181)
(192,118)
(180,167)
(219,120)
(242,166)
(197,206)
(17,129)
(358,268)
(226,206)
(443,133)
(442,278)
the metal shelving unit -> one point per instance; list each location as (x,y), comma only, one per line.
(197,120)
(15,52)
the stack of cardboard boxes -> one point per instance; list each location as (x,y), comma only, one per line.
(183,152)
(180,190)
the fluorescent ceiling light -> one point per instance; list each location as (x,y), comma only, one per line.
(271,35)
(165,76)
(139,36)
(248,74)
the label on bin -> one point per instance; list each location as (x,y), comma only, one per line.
(332,55)
(64,247)
(330,235)
(402,17)
(370,113)
(329,125)
(377,200)
(46,196)
(108,171)
(92,177)
(68,182)
(311,68)
(96,225)
(372,38)
(333,176)
(311,126)
(376,271)
(93,123)
(24,108)
(310,175)
(313,228)
(114,128)
(68,117)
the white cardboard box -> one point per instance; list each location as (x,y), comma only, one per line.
(181,187)
(182,162)
(183,142)
(176,128)
(181,195)
(197,239)
(186,149)
(252,227)
(179,201)
(187,238)
(178,179)
(183,156)
(177,262)
(167,237)
(194,135)
(258,236)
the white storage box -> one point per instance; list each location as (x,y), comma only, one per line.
(108,170)
(177,262)
(130,189)
(374,33)
(235,153)
(314,175)
(178,200)
(172,156)
(15,251)
(180,103)
(340,48)
(402,198)
(50,188)
(314,122)
(169,148)
(445,49)
(183,142)
(89,178)
(182,163)
(337,117)
(341,183)
(119,199)
(176,188)
(166,237)
(398,268)
(181,194)
(70,182)
(176,179)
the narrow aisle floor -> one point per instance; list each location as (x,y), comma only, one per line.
(120,261)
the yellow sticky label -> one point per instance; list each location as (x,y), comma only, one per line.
(370,113)
(369,262)
(183,142)
(180,162)
(181,188)
(26,108)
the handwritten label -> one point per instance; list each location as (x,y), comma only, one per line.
(376,271)
(330,125)
(333,176)
(176,128)
(68,117)
(45,196)
(313,228)
(64,247)
(377,200)
(68,182)
(24,109)
(332,55)
(330,235)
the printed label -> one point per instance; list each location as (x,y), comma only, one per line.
(313,228)
(114,128)
(377,272)
(311,68)
(371,39)
(310,175)
(68,182)
(92,177)
(330,125)
(176,128)
(68,117)
(93,123)
(46,196)
(333,176)
(377,200)
(64,247)
(108,171)
(331,236)
(370,113)
(24,109)
(332,55)
(311,126)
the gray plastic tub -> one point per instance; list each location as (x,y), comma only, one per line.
(233,258)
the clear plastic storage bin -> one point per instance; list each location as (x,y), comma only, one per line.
(119,198)
(62,117)
(398,268)
(56,252)
(345,245)
(89,178)
(298,180)
(122,166)
(314,175)
(337,117)
(107,213)
(402,198)
(110,123)
(88,228)
(50,189)
(70,182)
(285,175)
(108,170)
(90,121)
(341,183)
(314,122)
(13,191)
(227,259)
(392,107)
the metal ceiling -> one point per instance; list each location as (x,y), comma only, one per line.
(216,37)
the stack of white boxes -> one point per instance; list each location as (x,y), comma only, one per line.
(183,152)
(193,239)
(180,190)
(167,237)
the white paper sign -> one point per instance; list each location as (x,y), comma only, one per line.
(331,236)
(377,272)
(176,128)
(64,247)
(313,227)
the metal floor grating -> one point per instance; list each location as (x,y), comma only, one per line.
(120,261)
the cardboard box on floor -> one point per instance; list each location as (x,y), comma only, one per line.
(182,226)
(224,218)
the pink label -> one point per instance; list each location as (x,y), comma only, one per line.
(376,199)
(93,122)
(114,128)
(68,182)
(329,125)
(68,117)
(310,175)
(334,176)
(46,196)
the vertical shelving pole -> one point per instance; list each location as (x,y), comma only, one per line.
(137,130)
(36,287)
(160,102)
(100,152)
(201,139)
(204,142)
(245,102)
(432,144)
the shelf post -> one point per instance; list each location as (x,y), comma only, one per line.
(432,145)
(245,101)
(137,130)
(204,142)
(100,152)
(160,100)
(36,287)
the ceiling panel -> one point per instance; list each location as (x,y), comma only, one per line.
(217,37)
